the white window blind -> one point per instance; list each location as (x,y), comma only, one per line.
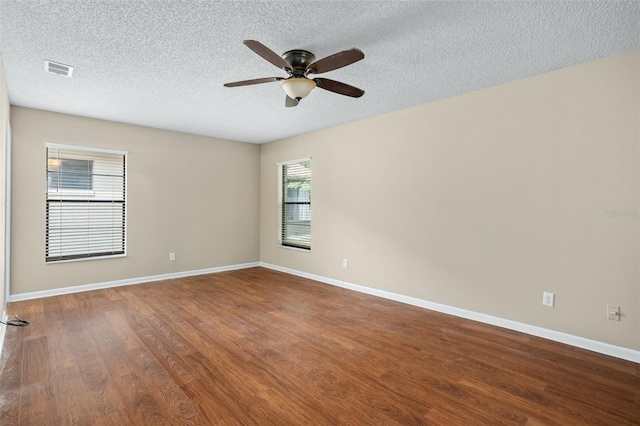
(295,203)
(85,203)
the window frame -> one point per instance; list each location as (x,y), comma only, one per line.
(84,195)
(282,203)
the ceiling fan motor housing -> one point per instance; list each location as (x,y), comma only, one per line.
(299,60)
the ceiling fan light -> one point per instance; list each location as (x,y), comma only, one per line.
(298,87)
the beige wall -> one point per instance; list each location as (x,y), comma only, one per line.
(4,116)
(481,201)
(485,200)
(192,195)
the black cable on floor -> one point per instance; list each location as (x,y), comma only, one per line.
(17,322)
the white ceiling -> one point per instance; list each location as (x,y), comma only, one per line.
(163,63)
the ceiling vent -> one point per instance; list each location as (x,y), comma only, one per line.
(59,69)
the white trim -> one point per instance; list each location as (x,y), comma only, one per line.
(294,248)
(7,218)
(55,145)
(129,281)
(569,339)
(299,160)
(3,333)
(84,259)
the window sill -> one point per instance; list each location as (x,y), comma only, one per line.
(84,259)
(294,248)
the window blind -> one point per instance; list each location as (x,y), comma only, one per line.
(295,204)
(85,203)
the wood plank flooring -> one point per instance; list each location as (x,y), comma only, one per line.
(258,347)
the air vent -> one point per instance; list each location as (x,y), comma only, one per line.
(59,69)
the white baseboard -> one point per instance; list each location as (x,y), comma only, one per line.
(3,331)
(580,342)
(129,281)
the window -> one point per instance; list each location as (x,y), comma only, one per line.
(295,203)
(69,174)
(85,202)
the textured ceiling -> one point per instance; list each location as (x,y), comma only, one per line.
(163,63)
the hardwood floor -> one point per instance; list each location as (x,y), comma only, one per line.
(258,347)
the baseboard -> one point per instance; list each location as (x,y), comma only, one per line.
(3,332)
(580,342)
(129,281)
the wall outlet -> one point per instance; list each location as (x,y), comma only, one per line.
(172,257)
(345,263)
(548,299)
(613,312)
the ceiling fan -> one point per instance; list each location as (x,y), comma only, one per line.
(299,64)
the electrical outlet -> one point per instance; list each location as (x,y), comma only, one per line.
(345,263)
(613,312)
(172,257)
(548,299)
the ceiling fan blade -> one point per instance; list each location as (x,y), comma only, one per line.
(254,81)
(268,54)
(290,102)
(335,61)
(337,87)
